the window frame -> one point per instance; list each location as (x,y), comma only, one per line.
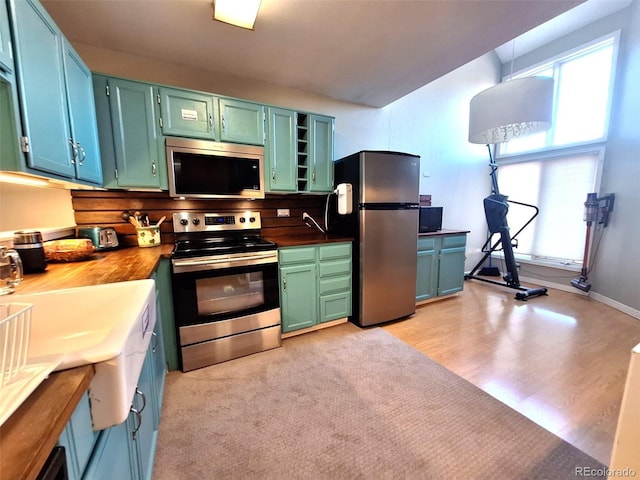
(554,62)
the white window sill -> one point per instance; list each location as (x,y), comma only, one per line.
(549,263)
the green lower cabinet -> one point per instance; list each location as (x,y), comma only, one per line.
(315,284)
(299,297)
(112,456)
(125,451)
(427,279)
(440,265)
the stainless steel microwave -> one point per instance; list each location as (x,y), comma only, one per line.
(205,169)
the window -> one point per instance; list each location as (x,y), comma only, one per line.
(555,170)
(558,186)
(583,92)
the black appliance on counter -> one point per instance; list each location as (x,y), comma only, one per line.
(225,287)
(430,219)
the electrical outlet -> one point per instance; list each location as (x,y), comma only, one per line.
(283,212)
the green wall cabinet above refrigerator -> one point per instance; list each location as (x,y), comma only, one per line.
(59,133)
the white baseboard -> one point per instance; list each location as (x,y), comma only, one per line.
(596,296)
(617,305)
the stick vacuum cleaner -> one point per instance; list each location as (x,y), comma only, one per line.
(592,211)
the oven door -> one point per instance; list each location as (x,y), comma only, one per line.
(226,313)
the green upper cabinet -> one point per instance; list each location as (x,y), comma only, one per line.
(280,153)
(41,84)
(59,134)
(321,153)
(187,113)
(84,127)
(6,55)
(131,147)
(241,122)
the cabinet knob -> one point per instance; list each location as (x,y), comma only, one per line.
(273,174)
(153,168)
(284,283)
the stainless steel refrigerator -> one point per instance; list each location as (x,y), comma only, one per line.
(384,223)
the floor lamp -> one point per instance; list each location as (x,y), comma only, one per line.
(501,113)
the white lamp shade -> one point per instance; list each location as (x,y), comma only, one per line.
(511,109)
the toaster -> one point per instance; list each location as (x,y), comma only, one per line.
(103,238)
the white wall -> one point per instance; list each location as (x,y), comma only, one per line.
(25,207)
(433,123)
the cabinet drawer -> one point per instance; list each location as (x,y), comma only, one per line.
(450,241)
(336,267)
(335,284)
(426,243)
(297,255)
(336,250)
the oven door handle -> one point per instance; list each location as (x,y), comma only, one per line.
(184,266)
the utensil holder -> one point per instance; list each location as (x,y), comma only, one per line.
(148,236)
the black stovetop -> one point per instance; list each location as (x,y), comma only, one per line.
(194,245)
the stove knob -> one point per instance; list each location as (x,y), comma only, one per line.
(196,221)
(184,221)
(242,219)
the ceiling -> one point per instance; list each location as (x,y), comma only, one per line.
(370,52)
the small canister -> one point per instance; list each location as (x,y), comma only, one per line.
(148,236)
(28,244)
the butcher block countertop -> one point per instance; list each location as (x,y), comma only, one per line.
(28,436)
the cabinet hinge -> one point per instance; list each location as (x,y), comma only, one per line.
(24,144)
(160,121)
(158,98)
(116,173)
(107,90)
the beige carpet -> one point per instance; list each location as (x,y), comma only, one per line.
(346,403)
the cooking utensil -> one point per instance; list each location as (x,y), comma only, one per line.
(162,219)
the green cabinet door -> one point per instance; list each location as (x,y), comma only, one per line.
(164,298)
(41,85)
(143,426)
(451,275)
(84,128)
(135,138)
(241,122)
(187,114)
(299,298)
(427,272)
(280,152)
(113,456)
(78,439)
(6,55)
(321,153)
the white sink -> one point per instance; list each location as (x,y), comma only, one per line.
(108,325)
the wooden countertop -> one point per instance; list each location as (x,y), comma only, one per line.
(108,266)
(444,231)
(307,239)
(27,437)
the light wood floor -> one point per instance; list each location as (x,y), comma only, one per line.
(560,360)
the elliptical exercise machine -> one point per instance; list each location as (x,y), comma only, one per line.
(496,207)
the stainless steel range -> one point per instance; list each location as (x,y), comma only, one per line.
(225,287)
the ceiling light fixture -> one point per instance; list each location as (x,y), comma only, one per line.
(241,13)
(511,109)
